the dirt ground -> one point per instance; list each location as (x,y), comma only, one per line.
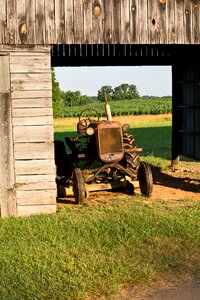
(178,185)
(182,184)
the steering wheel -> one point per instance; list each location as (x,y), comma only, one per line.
(83,123)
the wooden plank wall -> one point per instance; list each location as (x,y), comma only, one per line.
(7,190)
(31,99)
(100,21)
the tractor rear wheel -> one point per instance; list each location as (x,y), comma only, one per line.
(132,158)
(145,179)
(78,186)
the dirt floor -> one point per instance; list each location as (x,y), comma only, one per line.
(182,184)
(178,185)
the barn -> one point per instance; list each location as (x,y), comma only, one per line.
(36,35)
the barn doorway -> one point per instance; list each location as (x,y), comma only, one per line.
(154,86)
(146,55)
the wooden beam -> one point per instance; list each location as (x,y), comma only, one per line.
(7,192)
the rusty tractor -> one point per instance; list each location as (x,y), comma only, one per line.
(103,152)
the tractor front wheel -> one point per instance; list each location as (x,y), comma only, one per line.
(78,186)
(145,179)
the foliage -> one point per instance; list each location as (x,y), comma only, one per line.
(121,92)
(58,102)
(125,92)
(74,98)
(125,107)
(101,93)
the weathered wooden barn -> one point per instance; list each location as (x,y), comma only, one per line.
(38,34)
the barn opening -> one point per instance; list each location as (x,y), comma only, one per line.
(185,81)
(88,80)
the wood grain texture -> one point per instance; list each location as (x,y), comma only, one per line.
(87,21)
(40,22)
(30,82)
(40,197)
(125,22)
(108,22)
(31,112)
(24,210)
(36,186)
(35,167)
(29,64)
(32,102)
(25,179)
(69,21)
(31,94)
(188,21)
(145,20)
(21,32)
(33,134)
(29,178)
(31,21)
(7,192)
(47,22)
(27,121)
(179,22)
(2,22)
(34,151)
(171,27)
(50,28)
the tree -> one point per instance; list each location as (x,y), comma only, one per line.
(74,98)
(106,88)
(125,92)
(58,103)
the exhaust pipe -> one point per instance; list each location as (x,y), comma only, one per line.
(107,108)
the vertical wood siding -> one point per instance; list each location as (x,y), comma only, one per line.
(99,21)
(7,191)
(32,129)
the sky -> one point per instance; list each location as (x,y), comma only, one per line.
(151,81)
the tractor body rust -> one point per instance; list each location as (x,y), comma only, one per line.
(103,152)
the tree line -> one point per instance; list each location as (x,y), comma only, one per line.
(63,99)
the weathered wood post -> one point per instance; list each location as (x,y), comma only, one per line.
(7,191)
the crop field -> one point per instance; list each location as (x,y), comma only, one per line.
(126,107)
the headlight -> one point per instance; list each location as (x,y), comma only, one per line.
(90,131)
(125,127)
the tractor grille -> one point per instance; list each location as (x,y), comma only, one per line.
(110,140)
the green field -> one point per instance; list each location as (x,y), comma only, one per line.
(125,107)
(90,250)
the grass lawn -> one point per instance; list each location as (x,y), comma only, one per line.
(92,249)
(88,250)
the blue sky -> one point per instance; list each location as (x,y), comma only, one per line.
(152,81)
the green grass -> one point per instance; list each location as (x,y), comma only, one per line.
(92,249)
(88,250)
